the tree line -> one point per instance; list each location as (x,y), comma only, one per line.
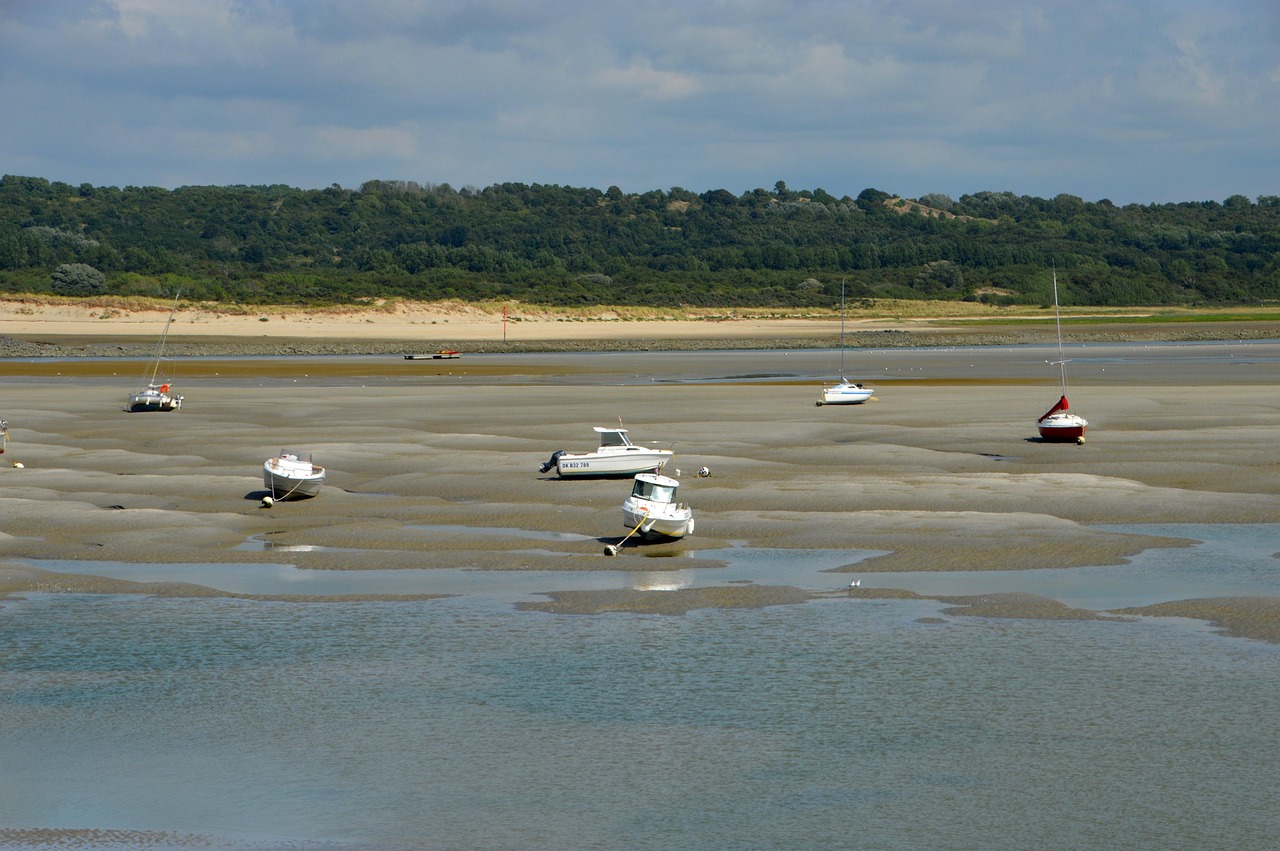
(562,245)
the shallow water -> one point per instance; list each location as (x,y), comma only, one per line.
(465,723)
(1191,363)
(1227,560)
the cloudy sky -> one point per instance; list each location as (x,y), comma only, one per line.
(1133,100)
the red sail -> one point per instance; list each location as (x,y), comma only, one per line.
(1060,406)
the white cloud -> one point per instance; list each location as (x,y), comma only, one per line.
(645,81)
(1150,100)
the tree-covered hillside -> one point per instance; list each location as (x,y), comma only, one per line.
(560,245)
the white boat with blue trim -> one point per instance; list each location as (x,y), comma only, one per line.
(845,392)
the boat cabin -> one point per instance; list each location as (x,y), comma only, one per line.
(655,488)
(613,438)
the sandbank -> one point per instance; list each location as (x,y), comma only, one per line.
(430,461)
(67,328)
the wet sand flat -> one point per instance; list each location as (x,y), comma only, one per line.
(941,476)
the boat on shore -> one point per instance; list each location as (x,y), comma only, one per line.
(443,354)
(615,456)
(1058,424)
(156,393)
(845,392)
(652,508)
(290,476)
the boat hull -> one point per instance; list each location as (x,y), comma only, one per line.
(153,400)
(291,480)
(624,463)
(658,520)
(845,394)
(1062,428)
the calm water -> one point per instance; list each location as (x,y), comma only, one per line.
(464,723)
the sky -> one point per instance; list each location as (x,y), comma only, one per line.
(1136,101)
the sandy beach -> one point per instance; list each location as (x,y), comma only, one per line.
(51,327)
(430,461)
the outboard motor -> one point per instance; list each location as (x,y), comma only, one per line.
(551,464)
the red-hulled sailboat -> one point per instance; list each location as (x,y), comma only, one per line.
(1058,424)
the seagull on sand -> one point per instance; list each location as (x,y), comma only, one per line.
(855,583)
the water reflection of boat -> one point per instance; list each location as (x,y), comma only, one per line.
(615,456)
(661,580)
(652,508)
(289,476)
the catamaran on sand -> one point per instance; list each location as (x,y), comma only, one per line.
(156,393)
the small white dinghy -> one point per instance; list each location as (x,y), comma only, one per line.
(290,476)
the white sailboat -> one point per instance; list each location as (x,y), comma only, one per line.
(845,392)
(157,392)
(1058,424)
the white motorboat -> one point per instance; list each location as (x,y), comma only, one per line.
(845,392)
(290,476)
(652,509)
(616,456)
(1058,424)
(157,393)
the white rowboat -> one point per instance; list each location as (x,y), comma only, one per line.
(289,476)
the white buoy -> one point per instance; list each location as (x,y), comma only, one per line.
(703,472)
(18,464)
(267,502)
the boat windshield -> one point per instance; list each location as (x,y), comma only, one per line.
(613,438)
(653,492)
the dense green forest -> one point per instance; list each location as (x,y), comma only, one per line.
(560,245)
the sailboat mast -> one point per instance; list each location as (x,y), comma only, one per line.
(1057,319)
(842,329)
(164,336)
